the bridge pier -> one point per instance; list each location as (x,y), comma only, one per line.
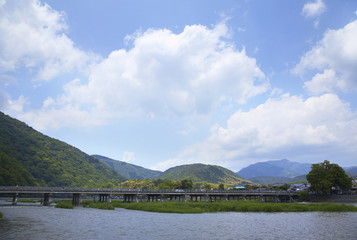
(77,199)
(14,199)
(105,198)
(46,199)
(131,198)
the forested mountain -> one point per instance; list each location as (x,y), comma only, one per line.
(130,171)
(28,157)
(202,172)
(275,168)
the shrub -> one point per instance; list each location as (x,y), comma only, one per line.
(64,204)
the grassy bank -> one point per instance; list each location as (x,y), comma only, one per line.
(99,205)
(210,207)
(233,206)
(85,203)
(64,204)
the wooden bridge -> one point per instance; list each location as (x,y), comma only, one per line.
(135,195)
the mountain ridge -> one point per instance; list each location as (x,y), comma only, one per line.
(275,168)
(199,172)
(128,170)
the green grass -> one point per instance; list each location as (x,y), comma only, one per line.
(26,200)
(64,204)
(233,206)
(103,206)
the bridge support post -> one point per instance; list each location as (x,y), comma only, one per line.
(14,199)
(77,199)
(46,199)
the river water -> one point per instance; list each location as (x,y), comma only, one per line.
(38,222)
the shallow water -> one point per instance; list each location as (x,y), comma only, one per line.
(38,222)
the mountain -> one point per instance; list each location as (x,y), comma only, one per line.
(202,172)
(130,171)
(264,180)
(351,171)
(275,168)
(29,158)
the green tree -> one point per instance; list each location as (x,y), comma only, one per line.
(186,184)
(323,176)
(207,186)
(221,186)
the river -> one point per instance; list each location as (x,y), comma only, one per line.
(38,222)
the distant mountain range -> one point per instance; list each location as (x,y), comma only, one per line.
(281,171)
(194,172)
(29,158)
(203,172)
(351,171)
(275,168)
(276,171)
(130,171)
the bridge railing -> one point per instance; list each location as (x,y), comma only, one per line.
(126,190)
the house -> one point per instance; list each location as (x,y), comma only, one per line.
(354,185)
(299,187)
(239,188)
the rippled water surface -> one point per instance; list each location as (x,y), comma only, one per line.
(38,222)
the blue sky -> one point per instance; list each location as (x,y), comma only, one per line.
(165,83)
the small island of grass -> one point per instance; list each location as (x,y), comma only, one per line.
(234,206)
(211,207)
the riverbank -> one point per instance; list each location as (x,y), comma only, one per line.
(233,206)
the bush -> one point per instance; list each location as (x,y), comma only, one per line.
(64,204)
(101,205)
(304,196)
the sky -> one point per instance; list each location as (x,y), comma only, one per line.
(165,83)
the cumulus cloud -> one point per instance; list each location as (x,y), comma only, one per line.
(33,35)
(314,9)
(335,59)
(320,127)
(165,74)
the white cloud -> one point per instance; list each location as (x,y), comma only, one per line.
(324,83)
(164,74)
(128,157)
(336,57)
(16,105)
(32,35)
(314,9)
(320,127)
